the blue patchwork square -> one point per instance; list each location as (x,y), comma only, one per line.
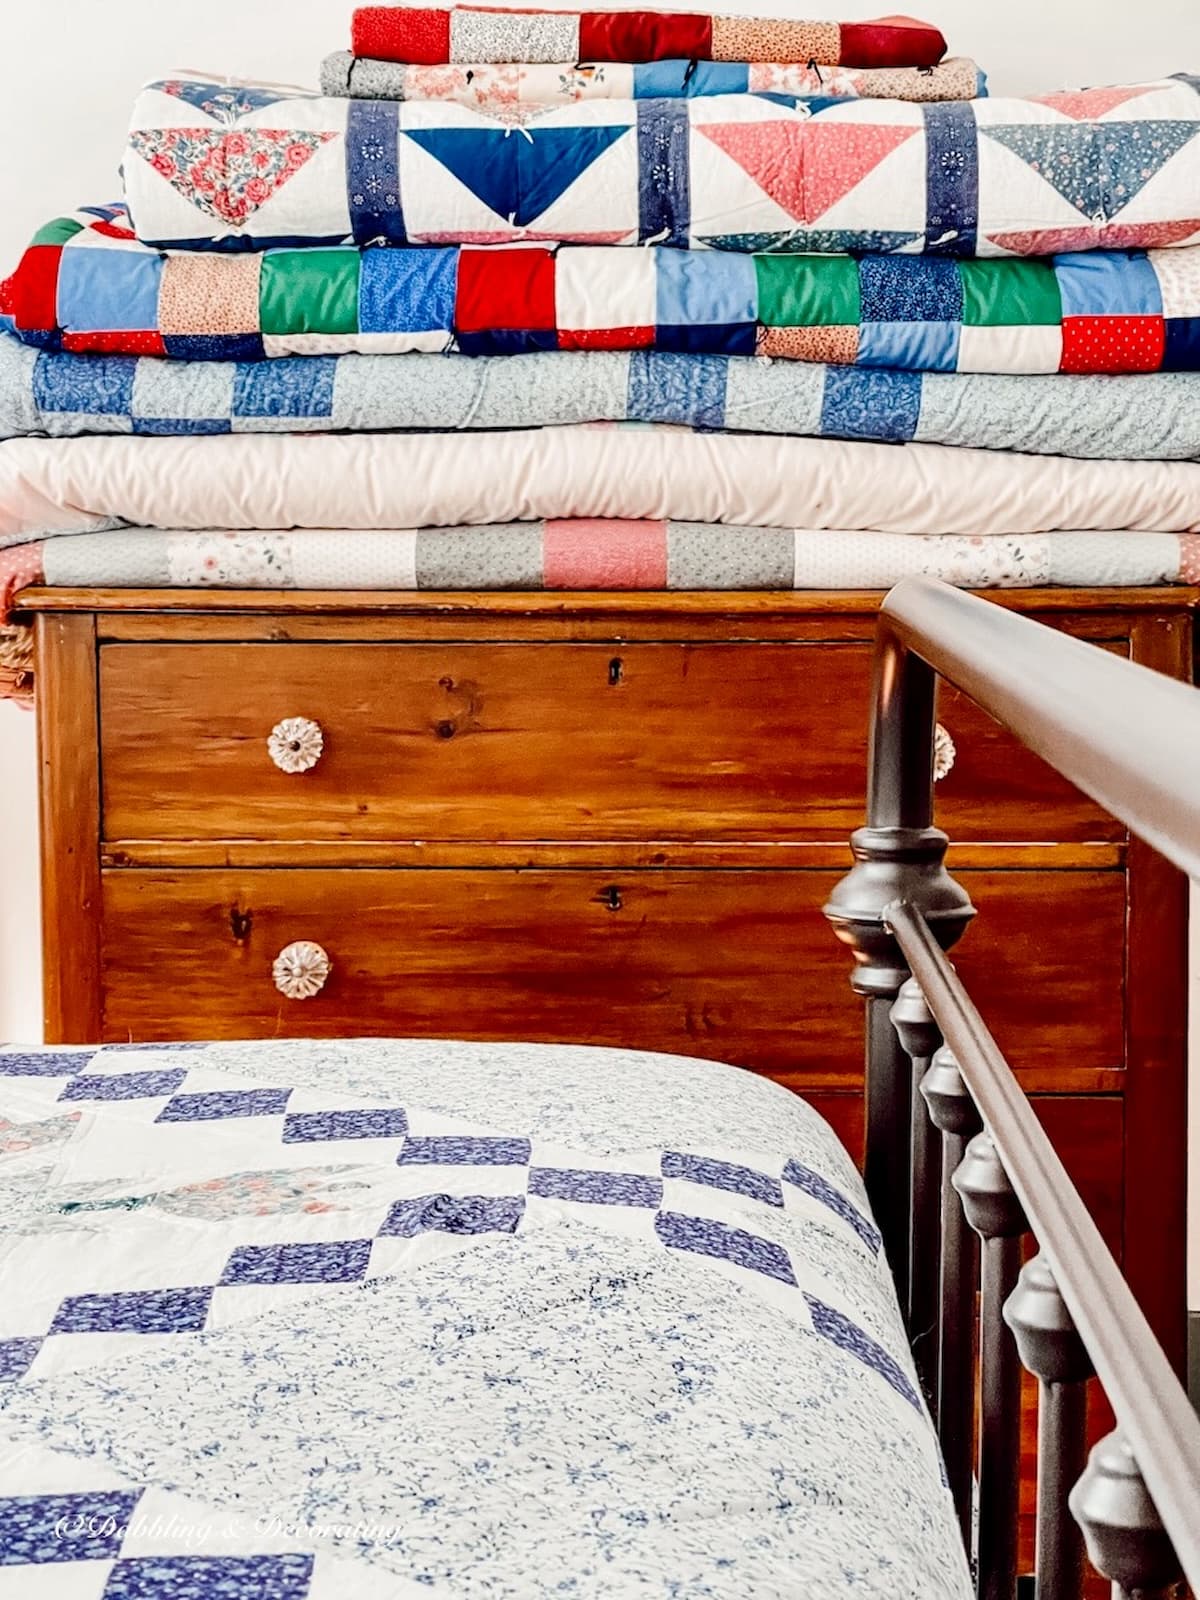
(839,1330)
(676,80)
(860,403)
(407,291)
(103,290)
(214,346)
(96,385)
(450,1213)
(595,1188)
(43,1063)
(507,341)
(910,289)
(134,1311)
(680,389)
(1181,352)
(16,1358)
(40,1528)
(911,346)
(217,1103)
(170,427)
(331,1261)
(1108,283)
(285,1577)
(460,1150)
(704,1237)
(290,386)
(125,1085)
(703,287)
(708,338)
(381,1122)
(725,1175)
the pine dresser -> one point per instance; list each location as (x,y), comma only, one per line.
(610,819)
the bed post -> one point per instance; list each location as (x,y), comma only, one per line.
(898,855)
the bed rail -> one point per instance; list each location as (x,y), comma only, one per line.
(958,1167)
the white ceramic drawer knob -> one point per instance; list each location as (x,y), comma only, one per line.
(296,744)
(301,969)
(943,753)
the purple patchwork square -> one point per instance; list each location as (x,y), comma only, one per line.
(16,1358)
(595,1188)
(125,1085)
(331,1261)
(458,1150)
(217,1103)
(40,1528)
(43,1063)
(285,1577)
(707,1238)
(448,1213)
(722,1175)
(382,1122)
(134,1311)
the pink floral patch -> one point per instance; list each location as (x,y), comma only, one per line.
(227,173)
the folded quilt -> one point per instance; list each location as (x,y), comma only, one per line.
(67,486)
(592,553)
(87,285)
(511,89)
(484,33)
(233,166)
(1151,416)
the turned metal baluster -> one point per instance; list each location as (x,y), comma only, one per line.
(919,1034)
(995,1213)
(953,1113)
(1125,1539)
(1050,1347)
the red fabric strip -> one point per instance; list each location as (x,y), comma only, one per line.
(33,289)
(398,33)
(644,36)
(499,289)
(891,42)
(604,553)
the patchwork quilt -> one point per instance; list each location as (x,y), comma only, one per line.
(511,89)
(1149,416)
(267,1314)
(236,166)
(489,33)
(87,285)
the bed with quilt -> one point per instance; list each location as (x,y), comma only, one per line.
(303,1320)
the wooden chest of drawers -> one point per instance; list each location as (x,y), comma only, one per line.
(606,819)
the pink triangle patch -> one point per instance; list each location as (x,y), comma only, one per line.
(1115,236)
(1083,105)
(807,167)
(227,173)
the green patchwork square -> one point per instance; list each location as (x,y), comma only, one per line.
(58,231)
(309,291)
(1010,294)
(807,291)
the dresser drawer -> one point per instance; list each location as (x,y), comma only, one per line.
(524,742)
(735,965)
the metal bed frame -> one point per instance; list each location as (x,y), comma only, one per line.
(955,1151)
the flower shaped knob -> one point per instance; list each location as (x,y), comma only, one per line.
(301,969)
(296,744)
(943,753)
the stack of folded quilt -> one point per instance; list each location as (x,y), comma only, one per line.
(615,300)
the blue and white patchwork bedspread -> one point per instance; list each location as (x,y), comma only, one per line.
(292,1321)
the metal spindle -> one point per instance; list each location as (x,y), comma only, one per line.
(885,1169)
(995,1213)
(1125,1537)
(918,1033)
(953,1113)
(1050,1347)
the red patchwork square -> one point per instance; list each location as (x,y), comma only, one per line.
(605,338)
(115,342)
(1113,344)
(396,33)
(644,36)
(891,42)
(33,293)
(500,289)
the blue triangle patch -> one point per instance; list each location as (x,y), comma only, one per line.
(517,173)
(1097,168)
